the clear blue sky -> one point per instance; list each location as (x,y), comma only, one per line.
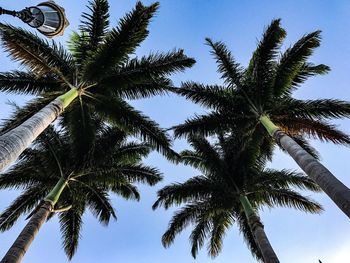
(135,237)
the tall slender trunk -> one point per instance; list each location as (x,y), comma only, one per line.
(335,189)
(15,141)
(257,229)
(26,237)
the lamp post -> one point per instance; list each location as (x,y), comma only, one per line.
(47,17)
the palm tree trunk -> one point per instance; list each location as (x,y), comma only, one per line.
(257,229)
(15,141)
(335,189)
(26,237)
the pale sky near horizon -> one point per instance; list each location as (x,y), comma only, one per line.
(135,236)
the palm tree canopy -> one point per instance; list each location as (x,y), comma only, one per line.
(90,181)
(265,87)
(211,200)
(101,63)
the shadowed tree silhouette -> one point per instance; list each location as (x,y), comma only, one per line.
(96,77)
(233,186)
(54,179)
(258,100)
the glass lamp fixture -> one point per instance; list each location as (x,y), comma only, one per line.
(47,17)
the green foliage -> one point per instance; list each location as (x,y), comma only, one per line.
(37,54)
(265,88)
(102,65)
(231,167)
(90,179)
(120,41)
(27,83)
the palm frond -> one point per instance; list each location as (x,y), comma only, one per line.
(197,188)
(131,153)
(261,66)
(35,53)
(193,159)
(203,125)
(215,97)
(70,226)
(28,83)
(80,120)
(292,60)
(211,157)
(156,64)
(131,88)
(287,198)
(141,173)
(120,42)
(99,204)
(321,108)
(314,128)
(21,205)
(308,70)
(230,70)
(126,190)
(180,220)
(284,179)
(122,115)
(22,177)
(221,223)
(95,23)
(198,235)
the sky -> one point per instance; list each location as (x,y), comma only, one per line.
(135,236)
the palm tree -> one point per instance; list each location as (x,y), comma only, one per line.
(55,180)
(233,186)
(259,99)
(96,76)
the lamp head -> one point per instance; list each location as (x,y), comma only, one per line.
(47,17)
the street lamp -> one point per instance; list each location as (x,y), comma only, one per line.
(47,17)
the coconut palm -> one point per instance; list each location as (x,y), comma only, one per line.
(54,179)
(96,76)
(233,186)
(259,99)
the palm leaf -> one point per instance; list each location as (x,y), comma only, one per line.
(215,97)
(221,223)
(263,60)
(21,205)
(70,225)
(197,188)
(28,83)
(322,108)
(203,125)
(287,198)
(230,70)
(314,129)
(198,235)
(308,70)
(120,42)
(122,115)
(35,53)
(292,60)
(95,23)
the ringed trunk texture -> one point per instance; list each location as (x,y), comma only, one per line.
(39,216)
(261,239)
(15,141)
(258,231)
(335,189)
(26,237)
